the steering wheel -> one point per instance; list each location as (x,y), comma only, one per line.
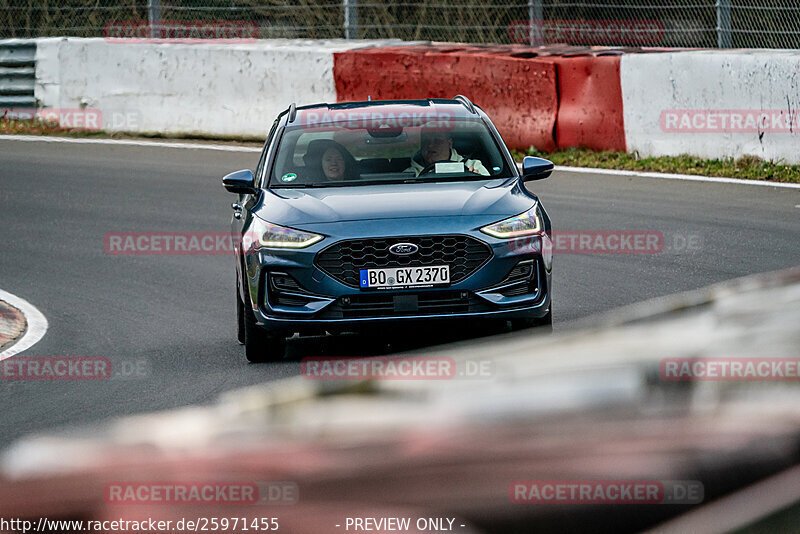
(428,168)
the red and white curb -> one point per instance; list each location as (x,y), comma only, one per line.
(30,316)
(12,324)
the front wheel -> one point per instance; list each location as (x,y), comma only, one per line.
(261,346)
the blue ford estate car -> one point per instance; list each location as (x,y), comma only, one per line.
(366,213)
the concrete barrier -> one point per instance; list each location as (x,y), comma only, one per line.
(713,103)
(204,89)
(536,96)
(707,103)
(590,112)
(518,93)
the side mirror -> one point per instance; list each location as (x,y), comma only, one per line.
(536,168)
(241,182)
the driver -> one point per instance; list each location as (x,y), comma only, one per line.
(438,146)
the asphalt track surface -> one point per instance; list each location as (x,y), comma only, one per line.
(176,313)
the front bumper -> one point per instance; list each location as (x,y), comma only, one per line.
(312,300)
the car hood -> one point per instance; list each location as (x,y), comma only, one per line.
(498,197)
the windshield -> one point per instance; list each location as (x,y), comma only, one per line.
(355,152)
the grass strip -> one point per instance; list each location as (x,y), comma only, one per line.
(745,167)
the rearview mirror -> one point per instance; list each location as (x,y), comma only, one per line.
(241,182)
(536,168)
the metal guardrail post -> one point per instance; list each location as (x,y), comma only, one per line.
(724,24)
(154,17)
(350,19)
(535,16)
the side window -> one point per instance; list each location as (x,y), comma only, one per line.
(260,174)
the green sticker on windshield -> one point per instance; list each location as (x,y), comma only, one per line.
(289,177)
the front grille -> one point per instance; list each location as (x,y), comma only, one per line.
(382,304)
(464,255)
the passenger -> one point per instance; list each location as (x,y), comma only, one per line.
(327,160)
(437,147)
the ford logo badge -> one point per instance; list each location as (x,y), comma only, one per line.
(403,249)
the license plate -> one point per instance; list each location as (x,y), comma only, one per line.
(400,277)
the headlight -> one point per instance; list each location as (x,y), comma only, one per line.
(527,223)
(269,235)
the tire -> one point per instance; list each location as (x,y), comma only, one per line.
(543,325)
(239,317)
(260,346)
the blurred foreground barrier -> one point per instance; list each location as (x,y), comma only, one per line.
(590,407)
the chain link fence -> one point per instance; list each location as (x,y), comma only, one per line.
(673,23)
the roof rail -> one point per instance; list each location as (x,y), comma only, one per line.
(467,104)
(292,112)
